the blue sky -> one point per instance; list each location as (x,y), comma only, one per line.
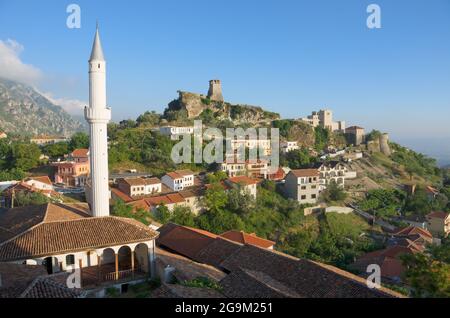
(288,56)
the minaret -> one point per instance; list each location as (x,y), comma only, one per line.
(98,116)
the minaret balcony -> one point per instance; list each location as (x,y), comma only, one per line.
(97,114)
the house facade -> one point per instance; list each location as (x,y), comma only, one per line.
(75,170)
(303,185)
(178,180)
(54,236)
(173,132)
(438,223)
(135,187)
(355,135)
(287,146)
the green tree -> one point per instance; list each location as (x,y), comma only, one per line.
(334,193)
(24,198)
(56,150)
(215,198)
(13,174)
(427,276)
(25,156)
(322,138)
(79,140)
(120,208)
(149,119)
(299,159)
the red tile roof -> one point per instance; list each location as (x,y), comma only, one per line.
(184,240)
(139,204)
(242,180)
(123,196)
(43,179)
(244,238)
(305,173)
(60,237)
(438,215)
(411,230)
(80,153)
(179,174)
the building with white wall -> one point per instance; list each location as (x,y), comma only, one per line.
(174,132)
(178,180)
(303,185)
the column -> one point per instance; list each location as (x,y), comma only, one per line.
(132,263)
(151,259)
(80,262)
(117,265)
(99,268)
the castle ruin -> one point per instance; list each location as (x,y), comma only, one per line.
(215,90)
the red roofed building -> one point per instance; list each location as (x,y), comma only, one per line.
(8,196)
(303,185)
(388,259)
(245,183)
(178,180)
(244,238)
(75,171)
(439,223)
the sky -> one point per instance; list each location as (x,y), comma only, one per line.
(291,57)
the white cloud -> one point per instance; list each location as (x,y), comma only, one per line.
(12,67)
(72,106)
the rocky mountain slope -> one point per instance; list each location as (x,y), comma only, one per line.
(23,110)
(191,105)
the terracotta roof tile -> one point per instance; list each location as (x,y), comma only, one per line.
(80,153)
(305,277)
(242,180)
(305,173)
(59,237)
(183,240)
(438,215)
(244,238)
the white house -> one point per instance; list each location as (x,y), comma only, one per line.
(333,171)
(174,132)
(287,146)
(302,185)
(139,186)
(40,183)
(178,180)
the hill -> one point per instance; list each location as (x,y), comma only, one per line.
(192,106)
(23,110)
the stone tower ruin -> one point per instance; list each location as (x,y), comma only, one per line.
(384,144)
(215,90)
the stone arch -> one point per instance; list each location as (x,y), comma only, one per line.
(141,257)
(124,257)
(108,256)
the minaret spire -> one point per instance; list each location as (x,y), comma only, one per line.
(98,115)
(97,51)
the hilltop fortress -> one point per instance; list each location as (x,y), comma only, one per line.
(194,105)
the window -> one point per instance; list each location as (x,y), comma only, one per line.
(303,187)
(70,259)
(313,187)
(313,196)
(303,197)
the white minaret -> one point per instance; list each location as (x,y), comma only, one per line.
(98,116)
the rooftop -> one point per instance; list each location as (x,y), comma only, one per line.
(305,173)
(51,229)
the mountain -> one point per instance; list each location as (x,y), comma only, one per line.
(24,110)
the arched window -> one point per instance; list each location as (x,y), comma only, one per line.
(70,259)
